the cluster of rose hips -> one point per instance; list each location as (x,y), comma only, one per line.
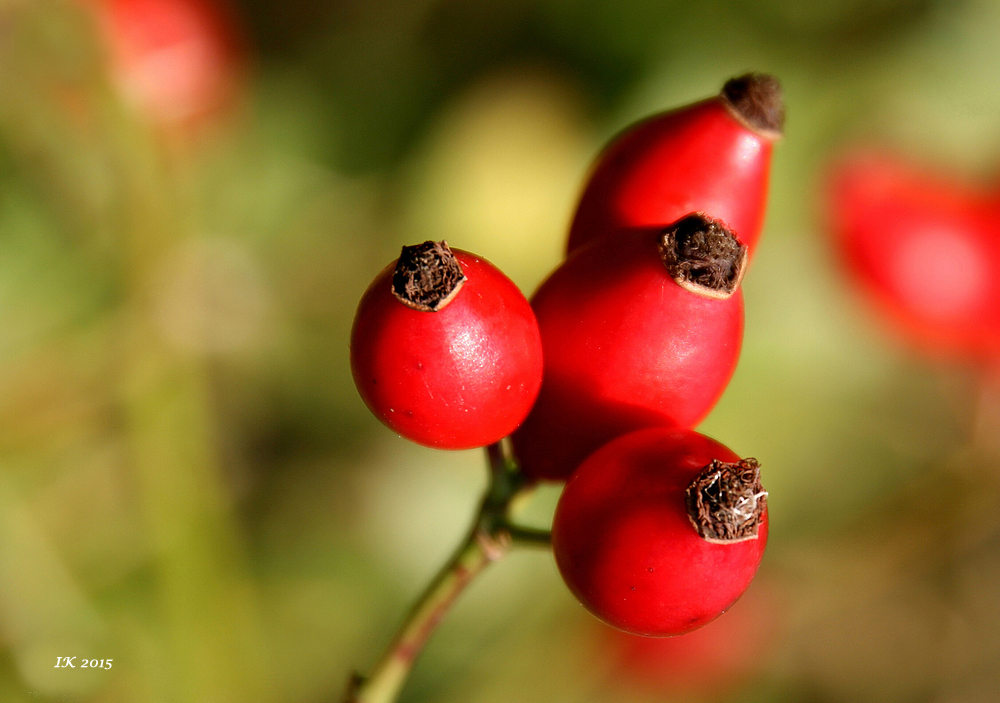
(925,248)
(600,380)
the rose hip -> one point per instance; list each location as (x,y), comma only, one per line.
(925,247)
(712,156)
(639,328)
(660,531)
(445,349)
(177,61)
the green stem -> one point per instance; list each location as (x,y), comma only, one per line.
(491,536)
(392,670)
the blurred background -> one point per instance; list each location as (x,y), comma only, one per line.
(193,198)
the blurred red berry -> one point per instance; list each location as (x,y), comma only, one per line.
(710,661)
(176,61)
(925,249)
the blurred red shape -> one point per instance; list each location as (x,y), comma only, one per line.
(924,247)
(177,61)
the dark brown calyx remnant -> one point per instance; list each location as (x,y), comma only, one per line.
(427,276)
(755,100)
(726,502)
(703,255)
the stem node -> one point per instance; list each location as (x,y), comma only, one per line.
(491,536)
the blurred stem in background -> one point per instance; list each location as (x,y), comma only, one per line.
(206,640)
(206,597)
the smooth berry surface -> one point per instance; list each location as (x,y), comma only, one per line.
(696,158)
(625,347)
(626,548)
(709,662)
(462,377)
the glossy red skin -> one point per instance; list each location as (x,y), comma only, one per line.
(625,348)
(925,248)
(178,61)
(710,661)
(625,546)
(695,158)
(462,377)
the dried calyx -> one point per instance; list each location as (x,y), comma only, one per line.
(726,502)
(703,255)
(755,100)
(427,276)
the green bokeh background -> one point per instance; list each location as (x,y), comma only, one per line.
(190,485)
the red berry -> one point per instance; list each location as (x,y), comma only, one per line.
(177,61)
(711,661)
(925,247)
(713,156)
(445,349)
(660,531)
(626,346)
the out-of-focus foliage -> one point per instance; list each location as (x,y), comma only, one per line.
(189,484)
